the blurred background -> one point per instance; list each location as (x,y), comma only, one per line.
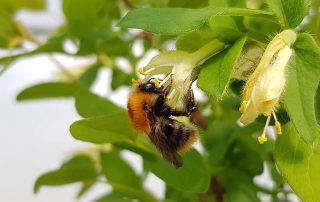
(35,134)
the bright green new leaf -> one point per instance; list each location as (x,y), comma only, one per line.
(299,163)
(289,12)
(105,129)
(302,85)
(193,176)
(89,104)
(173,21)
(215,75)
(117,171)
(77,169)
(48,90)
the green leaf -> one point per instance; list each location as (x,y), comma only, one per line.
(239,186)
(299,163)
(89,76)
(89,105)
(117,171)
(216,72)
(187,3)
(125,182)
(138,147)
(78,169)
(317,104)
(48,90)
(302,85)
(289,12)
(10,35)
(127,194)
(120,78)
(192,41)
(89,15)
(86,186)
(13,5)
(173,21)
(225,28)
(105,129)
(193,176)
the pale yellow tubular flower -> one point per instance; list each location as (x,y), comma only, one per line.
(176,68)
(266,84)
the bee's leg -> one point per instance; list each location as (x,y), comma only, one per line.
(160,108)
(190,106)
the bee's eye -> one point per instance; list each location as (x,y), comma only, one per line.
(168,129)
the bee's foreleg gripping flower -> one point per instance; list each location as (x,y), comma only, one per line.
(266,84)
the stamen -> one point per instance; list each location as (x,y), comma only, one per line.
(171,94)
(165,79)
(133,80)
(156,83)
(243,106)
(263,138)
(277,124)
(140,70)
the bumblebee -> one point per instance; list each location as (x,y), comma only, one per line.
(149,113)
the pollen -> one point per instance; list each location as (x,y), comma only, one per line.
(277,126)
(140,70)
(156,83)
(262,139)
(133,80)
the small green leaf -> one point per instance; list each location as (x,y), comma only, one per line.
(89,76)
(86,186)
(215,75)
(48,90)
(173,21)
(105,129)
(89,105)
(193,176)
(299,163)
(289,12)
(78,169)
(117,171)
(302,85)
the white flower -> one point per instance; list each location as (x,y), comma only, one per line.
(178,68)
(265,86)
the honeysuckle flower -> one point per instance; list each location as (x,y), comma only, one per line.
(178,69)
(266,84)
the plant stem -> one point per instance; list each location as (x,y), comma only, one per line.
(206,51)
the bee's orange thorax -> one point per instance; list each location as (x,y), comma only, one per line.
(136,110)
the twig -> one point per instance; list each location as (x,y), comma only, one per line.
(60,66)
(128,4)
